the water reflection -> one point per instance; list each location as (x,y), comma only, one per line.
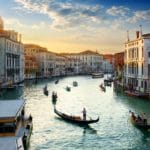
(9,94)
(113,131)
(89,130)
(135,104)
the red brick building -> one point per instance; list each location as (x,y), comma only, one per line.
(109,58)
(119,60)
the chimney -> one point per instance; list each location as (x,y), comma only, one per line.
(128,39)
(141,30)
(137,34)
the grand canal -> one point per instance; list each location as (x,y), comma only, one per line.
(114,130)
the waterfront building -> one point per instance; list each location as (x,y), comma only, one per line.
(88,61)
(12,56)
(15,127)
(137,62)
(119,65)
(92,61)
(31,65)
(107,67)
(73,66)
(60,65)
(109,57)
(43,61)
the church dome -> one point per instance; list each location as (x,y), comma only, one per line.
(1,23)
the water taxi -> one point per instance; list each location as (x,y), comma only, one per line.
(98,75)
(15,127)
(137,94)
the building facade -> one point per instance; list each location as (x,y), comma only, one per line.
(137,63)
(85,62)
(12,56)
(119,65)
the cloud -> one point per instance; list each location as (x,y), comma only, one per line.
(117,11)
(16,23)
(70,14)
(65,14)
(140,16)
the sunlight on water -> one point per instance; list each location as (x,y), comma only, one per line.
(113,131)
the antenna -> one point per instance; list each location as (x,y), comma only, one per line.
(141,29)
(128,35)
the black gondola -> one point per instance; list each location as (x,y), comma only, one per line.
(75,83)
(45,91)
(56,82)
(68,88)
(102,88)
(75,119)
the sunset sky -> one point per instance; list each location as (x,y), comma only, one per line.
(76,25)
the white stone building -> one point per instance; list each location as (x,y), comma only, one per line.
(88,61)
(12,56)
(60,65)
(44,59)
(73,66)
(137,63)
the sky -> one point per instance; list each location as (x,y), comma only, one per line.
(76,25)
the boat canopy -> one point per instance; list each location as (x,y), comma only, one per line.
(10,108)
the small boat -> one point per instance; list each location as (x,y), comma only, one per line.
(98,75)
(45,91)
(137,94)
(102,87)
(75,83)
(15,126)
(139,123)
(108,80)
(75,119)
(68,88)
(107,83)
(56,82)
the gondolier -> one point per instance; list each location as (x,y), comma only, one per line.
(84,114)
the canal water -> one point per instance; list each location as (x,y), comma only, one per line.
(114,131)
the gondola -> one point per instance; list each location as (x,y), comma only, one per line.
(75,119)
(56,82)
(139,124)
(68,88)
(45,91)
(75,83)
(102,88)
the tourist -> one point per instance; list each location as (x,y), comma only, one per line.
(133,116)
(144,118)
(139,118)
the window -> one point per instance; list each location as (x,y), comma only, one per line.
(148,69)
(148,54)
(137,52)
(142,69)
(142,84)
(142,52)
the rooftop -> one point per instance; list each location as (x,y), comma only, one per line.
(11,143)
(10,108)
